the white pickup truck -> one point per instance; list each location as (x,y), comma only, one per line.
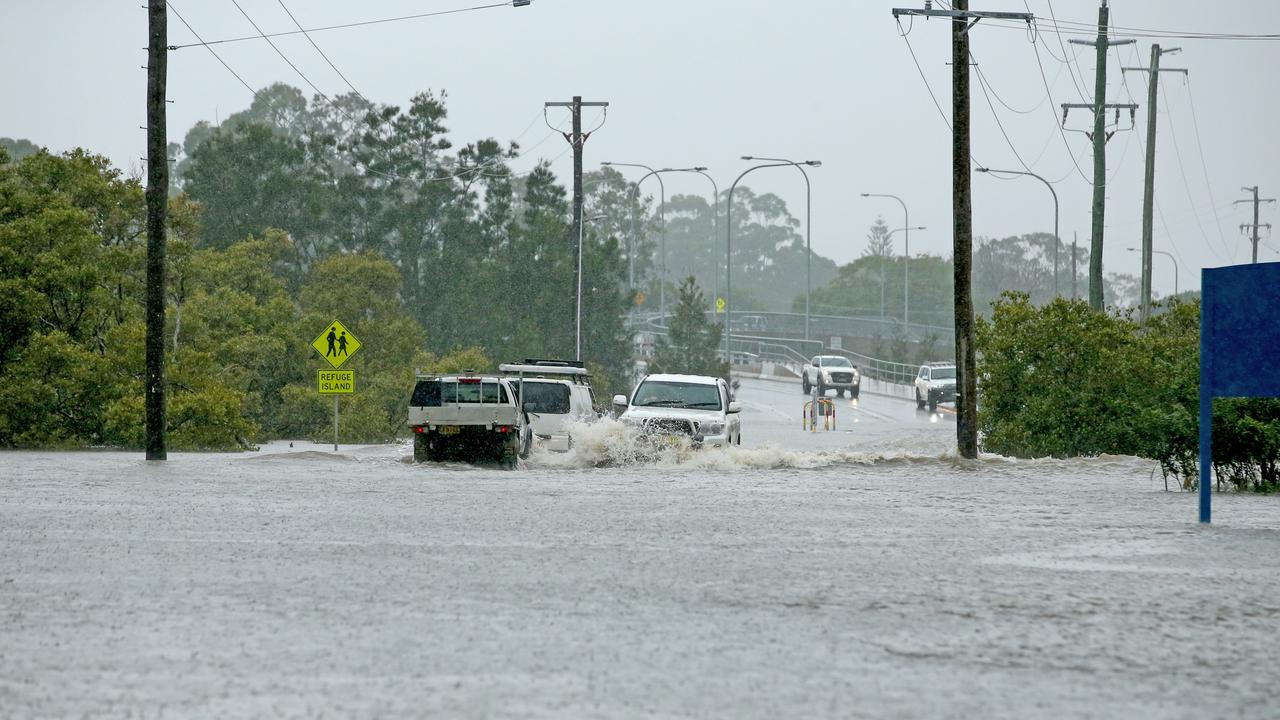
(826,372)
(468,418)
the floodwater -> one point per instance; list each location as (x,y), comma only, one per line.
(862,571)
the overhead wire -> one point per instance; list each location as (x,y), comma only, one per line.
(1173,133)
(1155,201)
(1217,221)
(307,35)
(1069,59)
(1048,91)
(345,25)
(982,82)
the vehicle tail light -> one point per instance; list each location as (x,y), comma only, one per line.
(419,429)
(503,428)
(469,381)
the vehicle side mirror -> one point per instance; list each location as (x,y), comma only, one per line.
(620,400)
(735,406)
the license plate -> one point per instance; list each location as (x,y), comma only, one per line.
(448,429)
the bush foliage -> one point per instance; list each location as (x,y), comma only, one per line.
(1061,380)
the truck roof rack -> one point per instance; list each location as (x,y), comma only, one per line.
(554,363)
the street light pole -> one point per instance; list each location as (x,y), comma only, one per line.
(1055,215)
(1171,258)
(906,264)
(728,254)
(662,233)
(715,225)
(808,228)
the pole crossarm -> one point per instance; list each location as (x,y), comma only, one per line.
(973,15)
(1094,43)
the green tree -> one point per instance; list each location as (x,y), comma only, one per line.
(692,343)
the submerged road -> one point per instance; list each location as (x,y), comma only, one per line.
(862,572)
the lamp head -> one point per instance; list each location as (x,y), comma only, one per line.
(983,169)
(813,163)
(699,168)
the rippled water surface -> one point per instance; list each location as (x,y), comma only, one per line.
(858,572)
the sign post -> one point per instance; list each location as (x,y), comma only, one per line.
(336,345)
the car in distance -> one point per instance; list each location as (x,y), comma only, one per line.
(467,417)
(554,394)
(826,372)
(935,383)
(693,406)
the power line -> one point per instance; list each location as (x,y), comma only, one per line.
(915,60)
(1071,59)
(982,82)
(1036,48)
(211,50)
(1000,100)
(326,57)
(1203,165)
(1173,133)
(290,63)
(511,3)
(1071,27)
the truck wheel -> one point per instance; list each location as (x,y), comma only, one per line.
(933,405)
(919,400)
(421,450)
(854,393)
(804,385)
(839,392)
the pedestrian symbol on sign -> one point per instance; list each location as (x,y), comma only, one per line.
(336,344)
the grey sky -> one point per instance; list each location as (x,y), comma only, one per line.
(702,82)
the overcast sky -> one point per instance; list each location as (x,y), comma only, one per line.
(702,82)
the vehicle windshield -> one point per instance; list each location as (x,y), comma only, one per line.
(546,397)
(944,373)
(654,393)
(435,393)
(835,361)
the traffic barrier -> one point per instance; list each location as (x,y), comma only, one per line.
(809,416)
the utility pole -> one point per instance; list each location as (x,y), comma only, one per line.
(962,20)
(157,197)
(1099,136)
(1148,189)
(1254,225)
(577,139)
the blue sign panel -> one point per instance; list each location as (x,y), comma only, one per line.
(1239,346)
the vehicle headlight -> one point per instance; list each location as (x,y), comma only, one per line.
(711,428)
(826,375)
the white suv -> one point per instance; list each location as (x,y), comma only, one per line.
(555,393)
(935,383)
(697,406)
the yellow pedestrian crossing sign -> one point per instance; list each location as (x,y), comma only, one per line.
(336,344)
(719,304)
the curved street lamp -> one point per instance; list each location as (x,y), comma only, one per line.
(1055,214)
(715,224)
(887,237)
(662,221)
(728,254)
(808,225)
(906,265)
(1172,258)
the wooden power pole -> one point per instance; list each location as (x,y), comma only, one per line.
(1254,225)
(157,196)
(962,20)
(577,139)
(1148,188)
(1099,136)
